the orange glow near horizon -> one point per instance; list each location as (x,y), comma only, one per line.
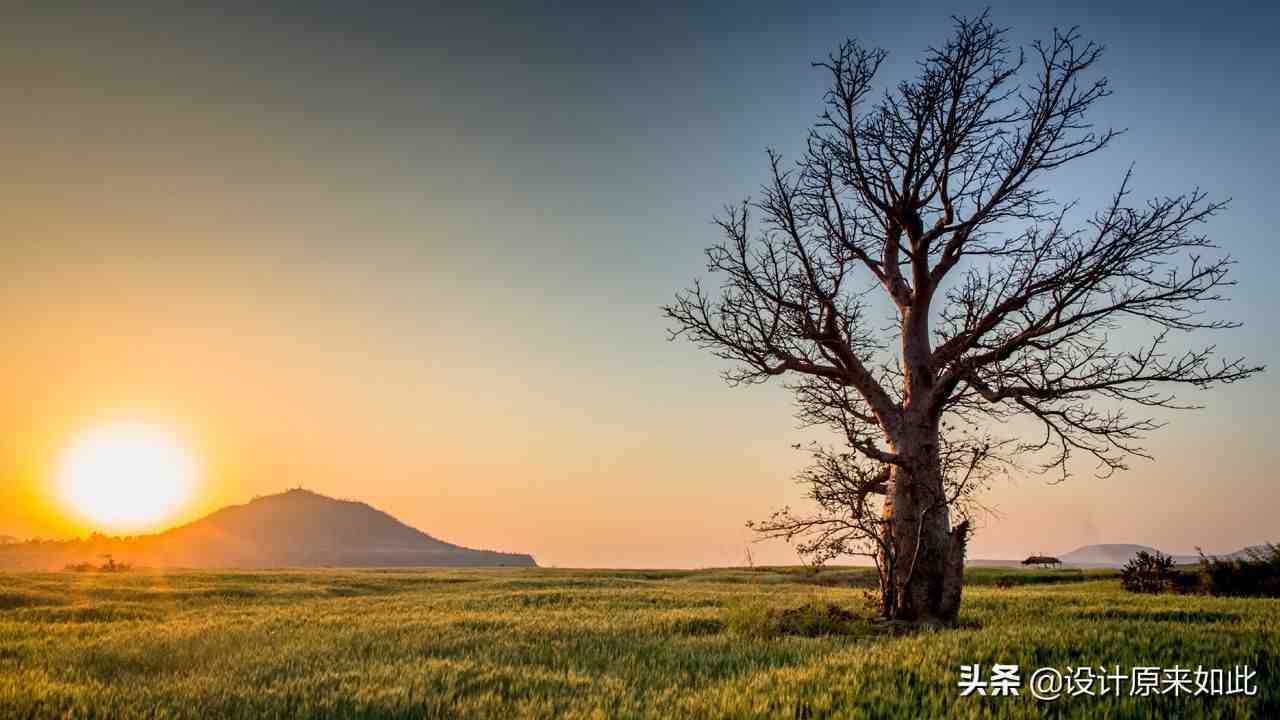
(126,476)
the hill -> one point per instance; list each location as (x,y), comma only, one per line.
(1113,555)
(297,528)
(1109,555)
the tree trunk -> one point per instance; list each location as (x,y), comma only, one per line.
(922,556)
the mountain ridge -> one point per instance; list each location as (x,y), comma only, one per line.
(295,528)
(1113,555)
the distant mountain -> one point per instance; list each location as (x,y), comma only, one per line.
(1244,553)
(297,528)
(1096,556)
(1113,555)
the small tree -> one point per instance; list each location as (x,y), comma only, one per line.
(1148,573)
(1044,561)
(933,195)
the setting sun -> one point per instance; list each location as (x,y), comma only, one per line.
(126,475)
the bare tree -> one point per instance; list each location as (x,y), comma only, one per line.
(1001,306)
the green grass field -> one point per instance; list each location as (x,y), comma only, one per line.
(558,643)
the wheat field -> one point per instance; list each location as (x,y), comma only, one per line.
(519,643)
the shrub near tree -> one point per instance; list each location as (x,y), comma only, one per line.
(1148,573)
(1257,574)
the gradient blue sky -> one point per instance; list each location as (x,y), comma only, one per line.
(416,255)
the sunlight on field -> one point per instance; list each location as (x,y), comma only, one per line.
(546,643)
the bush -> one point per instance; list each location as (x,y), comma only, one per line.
(1148,573)
(1257,574)
(110,566)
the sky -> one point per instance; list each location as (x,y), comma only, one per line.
(415,256)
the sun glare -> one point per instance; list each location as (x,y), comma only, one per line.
(126,476)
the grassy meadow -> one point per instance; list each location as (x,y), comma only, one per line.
(590,644)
